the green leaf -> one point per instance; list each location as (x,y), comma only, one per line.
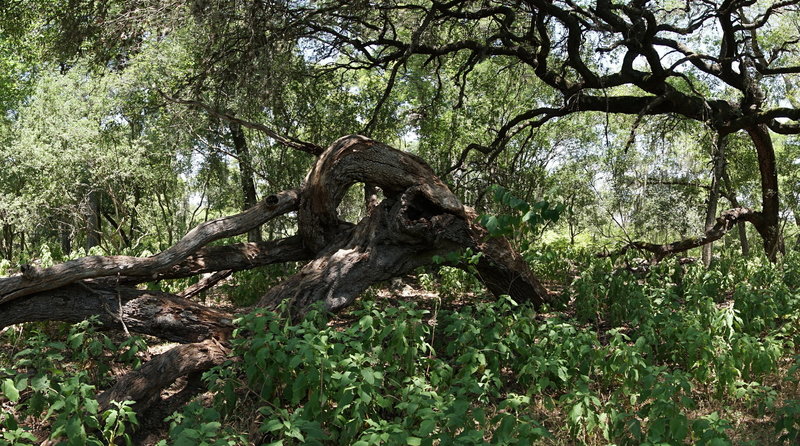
(368,375)
(75,431)
(426,427)
(272,425)
(490,223)
(110,417)
(10,390)
(576,413)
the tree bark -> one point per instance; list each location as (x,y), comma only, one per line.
(34,279)
(65,237)
(205,283)
(162,315)
(144,385)
(765,221)
(768,223)
(724,223)
(8,241)
(418,218)
(371,200)
(741,229)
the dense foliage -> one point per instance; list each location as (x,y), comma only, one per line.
(683,354)
(576,129)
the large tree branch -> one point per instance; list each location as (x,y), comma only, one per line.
(145,384)
(761,20)
(33,279)
(236,257)
(419,218)
(724,223)
(118,307)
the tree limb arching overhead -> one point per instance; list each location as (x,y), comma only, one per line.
(655,61)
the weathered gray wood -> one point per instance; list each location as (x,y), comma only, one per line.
(419,218)
(205,283)
(235,257)
(353,159)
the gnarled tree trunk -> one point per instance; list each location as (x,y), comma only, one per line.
(418,218)
(767,224)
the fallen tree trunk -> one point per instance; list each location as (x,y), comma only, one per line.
(418,218)
(144,385)
(162,315)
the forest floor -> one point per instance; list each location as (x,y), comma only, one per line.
(750,424)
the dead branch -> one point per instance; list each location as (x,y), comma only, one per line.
(724,223)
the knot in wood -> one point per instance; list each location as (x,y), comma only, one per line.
(30,272)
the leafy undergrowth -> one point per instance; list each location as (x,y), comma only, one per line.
(49,376)
(683,355)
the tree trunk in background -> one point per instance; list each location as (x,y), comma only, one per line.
(742,230)
(768,223)
(740,227)
(718,160)
(8,241)
(245,175)
(797,223)
(93,220)
(65,237)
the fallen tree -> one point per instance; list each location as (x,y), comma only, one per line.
(418,218)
